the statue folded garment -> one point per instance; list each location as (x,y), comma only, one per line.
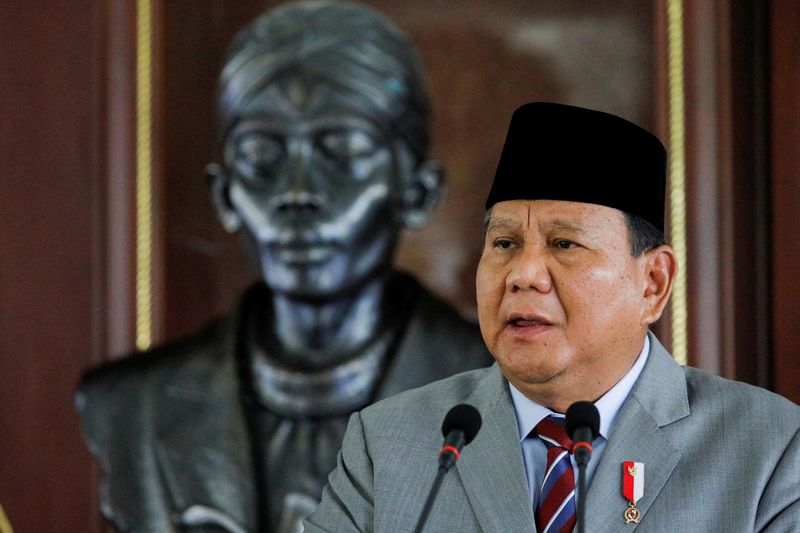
(324,117)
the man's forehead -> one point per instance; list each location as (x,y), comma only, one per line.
(556,214)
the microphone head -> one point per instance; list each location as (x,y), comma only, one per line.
(582,414)
(465,418)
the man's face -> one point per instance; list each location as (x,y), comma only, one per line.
(560,297)
(314,183)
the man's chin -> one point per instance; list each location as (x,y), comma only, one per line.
(531,368)
(523,379)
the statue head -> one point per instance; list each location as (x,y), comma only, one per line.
(324,117)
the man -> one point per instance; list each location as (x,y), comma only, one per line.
(324,118)
(573,272)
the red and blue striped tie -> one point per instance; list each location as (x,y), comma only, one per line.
(555,510)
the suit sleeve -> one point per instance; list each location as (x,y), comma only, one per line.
(779,508)
(347,501)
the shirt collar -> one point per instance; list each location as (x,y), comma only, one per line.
(530,413)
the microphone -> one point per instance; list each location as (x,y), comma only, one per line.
(460,426)
(582,425)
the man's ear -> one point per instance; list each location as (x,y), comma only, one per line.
(422,187)
(219,186)
(661,269)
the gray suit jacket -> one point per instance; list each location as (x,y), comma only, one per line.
(719,456)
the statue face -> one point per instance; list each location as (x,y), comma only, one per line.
(314,182)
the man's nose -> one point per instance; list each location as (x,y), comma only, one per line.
(529,271)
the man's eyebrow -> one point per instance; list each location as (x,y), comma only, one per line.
(568,225)
(501,223)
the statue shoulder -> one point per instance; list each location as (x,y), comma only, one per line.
(138,368)
(120,393)
(436,343)
(438,324)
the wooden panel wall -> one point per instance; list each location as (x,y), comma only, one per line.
(52,220)
(704,171)
(744,244)
(728,189)
(743,175)
(785,154)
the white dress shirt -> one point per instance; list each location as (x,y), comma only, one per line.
(529,414)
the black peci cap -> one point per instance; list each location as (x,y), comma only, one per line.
(561,152)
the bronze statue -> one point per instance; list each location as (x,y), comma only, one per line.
(325,130)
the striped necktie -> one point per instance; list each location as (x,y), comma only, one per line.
(555,510)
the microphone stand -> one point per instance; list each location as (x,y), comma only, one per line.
(582,425)
(460,426)
(582,497)
(448,455)
(423,517)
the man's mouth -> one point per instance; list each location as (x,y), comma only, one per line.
(527,320)
(527,327)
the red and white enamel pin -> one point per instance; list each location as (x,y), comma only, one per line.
(632,489)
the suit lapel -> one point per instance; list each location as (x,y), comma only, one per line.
(492,469)
(641,440)
(658,399)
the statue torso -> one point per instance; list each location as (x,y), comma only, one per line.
(194,434)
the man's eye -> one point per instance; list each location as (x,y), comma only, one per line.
(505,244)
(564,244)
